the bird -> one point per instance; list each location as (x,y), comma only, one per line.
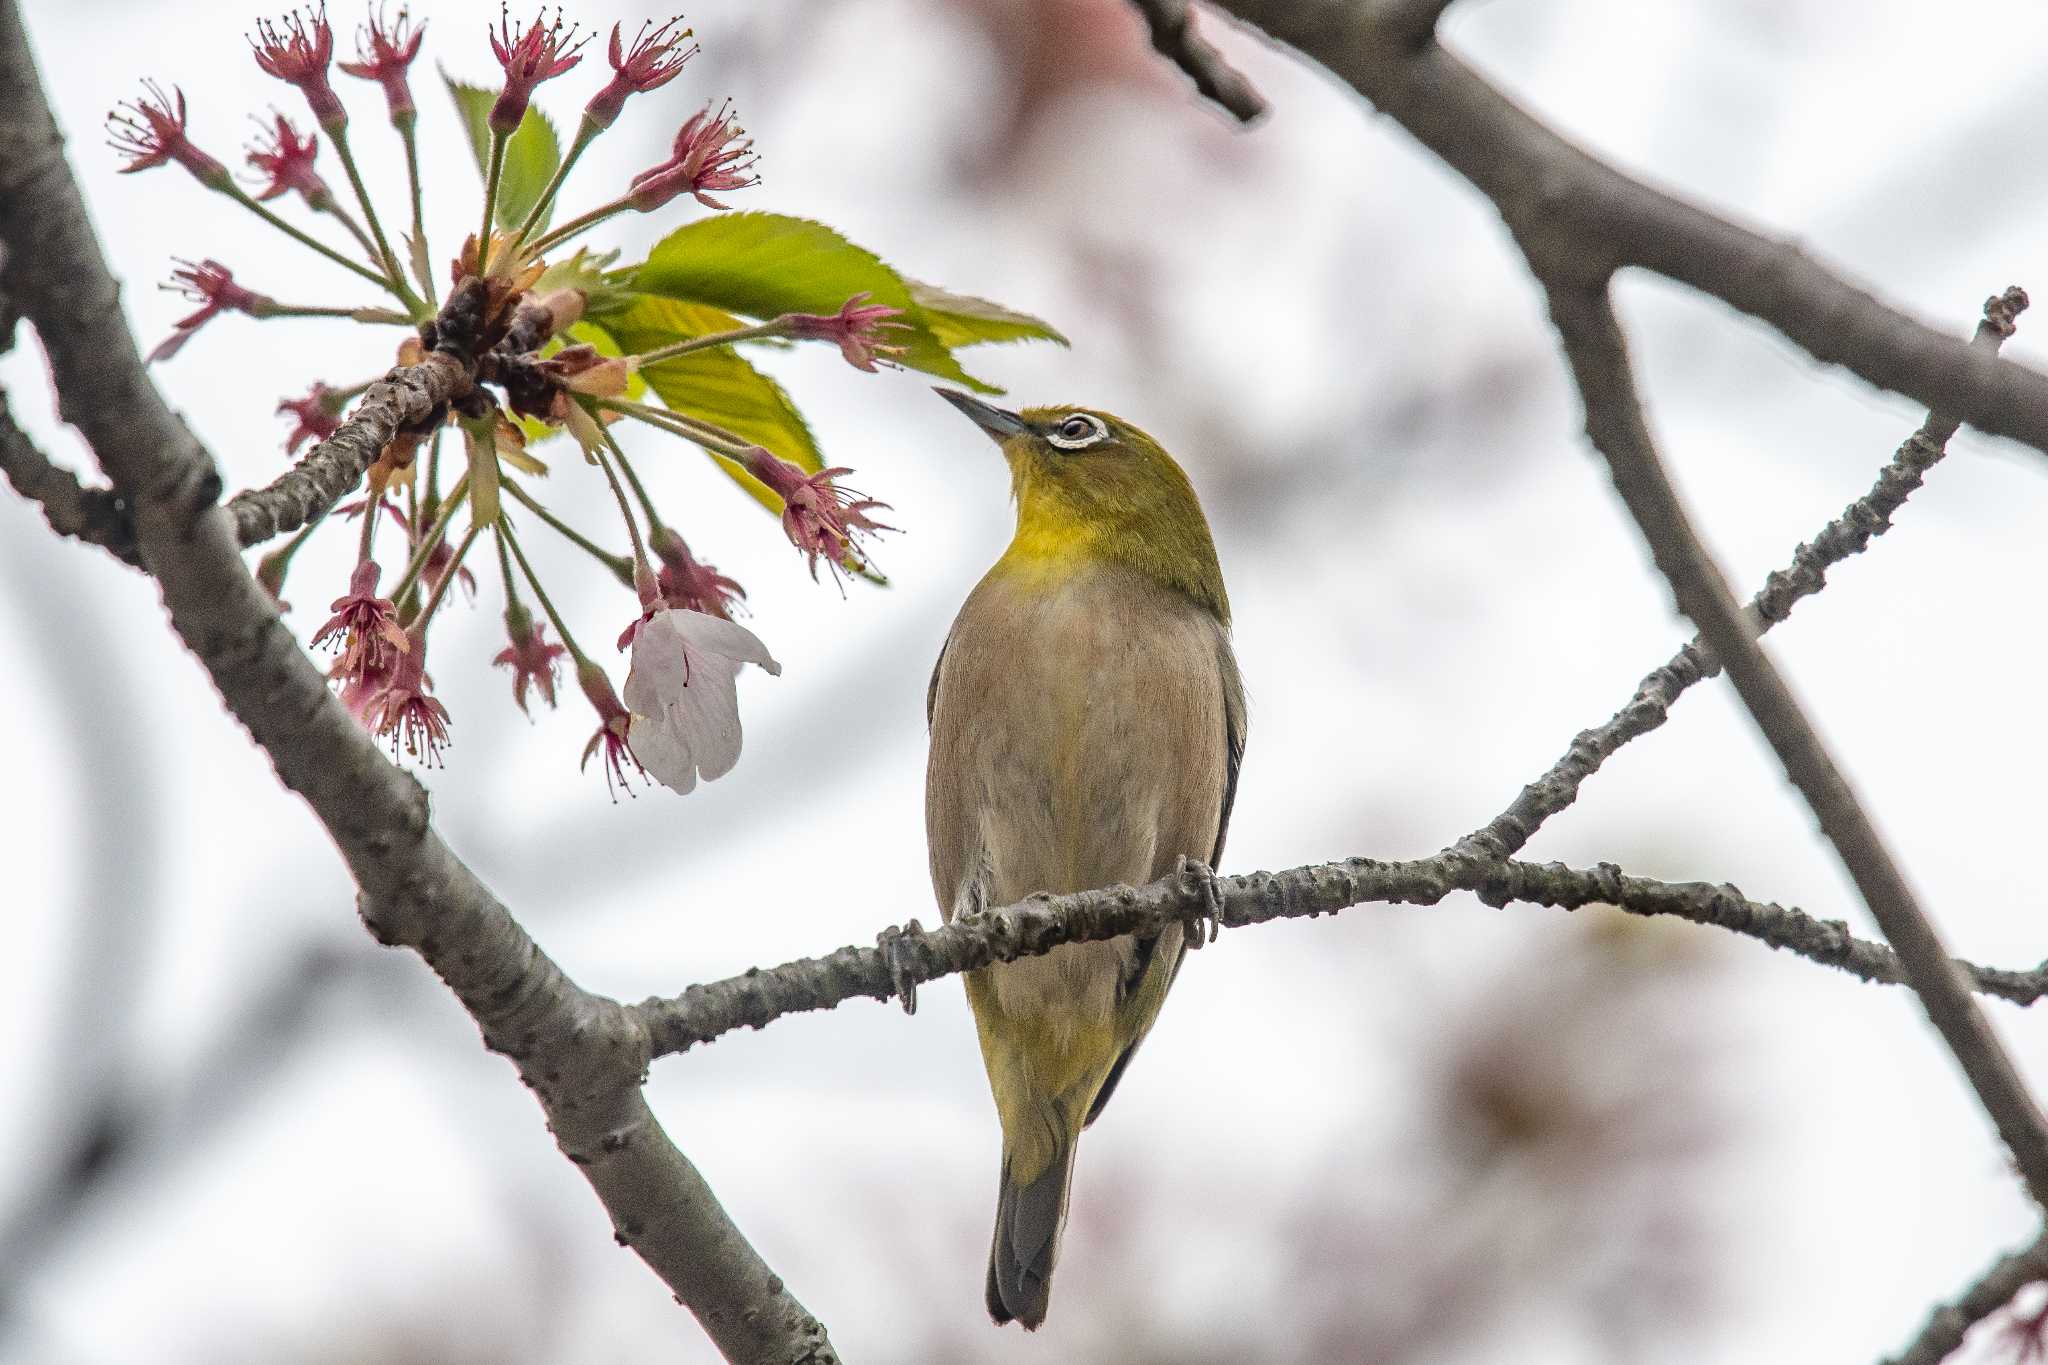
(1087,722)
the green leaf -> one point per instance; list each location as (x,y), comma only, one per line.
(715,385)
(963,320)
(531,154)
(763,264)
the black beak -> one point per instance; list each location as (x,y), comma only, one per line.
(1000,423)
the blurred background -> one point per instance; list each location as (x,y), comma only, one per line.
(239,1131)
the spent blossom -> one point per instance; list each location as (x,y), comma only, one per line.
(686,717)
(529,655)
(614,728)
(819,517)
(318,416)
(365,627)
(287,161)
(856,329)
(151,132)
(711,152)
(687,583)
(539,52)
(297,52)
(656,57)
(384,50)
(211,285)
(401,709)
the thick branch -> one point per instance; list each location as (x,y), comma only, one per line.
(1173,33)
(1589,219)
(582,1055)
(96,516)
(1951,1322)
(1598,355)
(906,958)
(1848,534)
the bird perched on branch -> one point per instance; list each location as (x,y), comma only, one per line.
(1086,725)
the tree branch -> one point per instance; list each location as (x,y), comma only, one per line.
(96,516)
(1848,534)
(1173,33)
(906,958)
(581,1054)
(1598,355)
(1995,1288)
(1589,219)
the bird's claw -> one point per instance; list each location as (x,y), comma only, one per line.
(1203,924)
(894,945)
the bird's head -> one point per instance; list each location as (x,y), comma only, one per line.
(1090,488)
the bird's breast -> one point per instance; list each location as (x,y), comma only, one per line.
(1077,741)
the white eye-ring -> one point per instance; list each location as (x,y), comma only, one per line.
(1079,430)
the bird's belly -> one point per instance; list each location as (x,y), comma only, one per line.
(1104,767)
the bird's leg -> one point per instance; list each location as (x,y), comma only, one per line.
(1202,925)
(895,947)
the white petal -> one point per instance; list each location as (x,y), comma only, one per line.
(720,636)
(664,753)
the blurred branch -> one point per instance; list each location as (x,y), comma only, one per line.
(1598,355)
(96,516)
(1589,220)
(1173,33)
(581,1054)
(905,958)
(1848,534)
(1951,1322)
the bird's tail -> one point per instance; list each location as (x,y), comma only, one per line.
(1030,1214)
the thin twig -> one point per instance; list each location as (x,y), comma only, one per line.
(1848,534)
(1949,1323)
(1598,355)
(97,516)
(1584,213)
(1173,34)
(1038,925)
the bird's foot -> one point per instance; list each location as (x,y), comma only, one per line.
(895,946)
(1203,923)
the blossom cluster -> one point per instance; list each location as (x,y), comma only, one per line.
(523,309)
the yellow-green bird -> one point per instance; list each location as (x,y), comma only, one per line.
(1087,720)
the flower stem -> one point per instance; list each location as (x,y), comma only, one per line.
(497,170)
(448,576)
(432,538)
(546,604)
(774,327)
(586,133)
(339,135)
(625,510)
(513,605)
(341,215)
(373,496)
(579,224)
(621,567)
(639,490)
(404,123)
(235,192)
(713,438)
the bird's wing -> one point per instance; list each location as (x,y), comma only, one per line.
(1234,723)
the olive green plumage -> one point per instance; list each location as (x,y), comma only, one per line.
(1086,725)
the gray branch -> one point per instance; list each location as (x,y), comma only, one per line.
(406,397)
(1598,355)
(1848,534)
(96,516)
(581,1054)
(907,957)
(1949,1323)
(1590,220)
(1173,33)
